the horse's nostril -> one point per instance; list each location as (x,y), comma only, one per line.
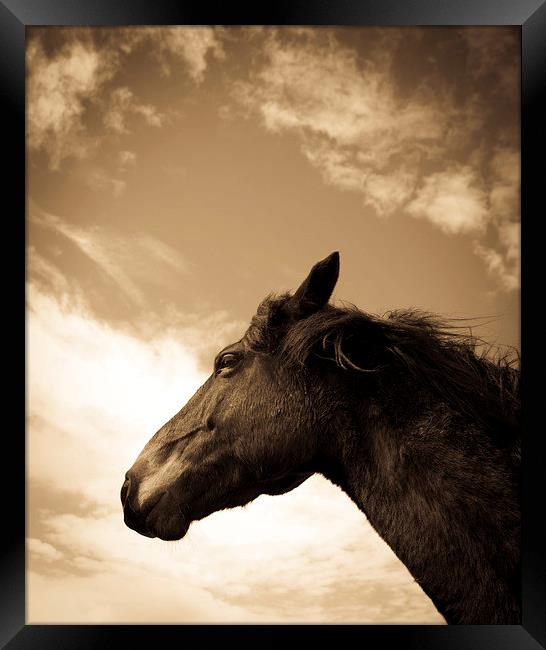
(125,491)
(210,423)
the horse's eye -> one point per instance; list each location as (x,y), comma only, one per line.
(227,361)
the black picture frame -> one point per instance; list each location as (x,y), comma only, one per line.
(530,16)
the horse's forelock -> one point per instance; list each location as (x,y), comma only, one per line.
(264,331)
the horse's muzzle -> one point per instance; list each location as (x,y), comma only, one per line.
(133,519)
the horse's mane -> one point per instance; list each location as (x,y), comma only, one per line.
(476,379)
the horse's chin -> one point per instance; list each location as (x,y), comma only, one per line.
(173,532)
(166,521)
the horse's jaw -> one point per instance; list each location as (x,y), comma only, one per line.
(286,483)
(169,519)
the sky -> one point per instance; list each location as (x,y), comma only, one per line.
(176,176)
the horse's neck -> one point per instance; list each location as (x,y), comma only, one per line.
(445,502)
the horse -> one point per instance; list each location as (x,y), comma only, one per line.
(403,412)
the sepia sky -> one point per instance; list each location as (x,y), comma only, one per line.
(175,176)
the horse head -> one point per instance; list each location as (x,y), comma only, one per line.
(250,429)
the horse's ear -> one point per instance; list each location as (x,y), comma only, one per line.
(315,291)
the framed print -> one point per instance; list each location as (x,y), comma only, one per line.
(278,323)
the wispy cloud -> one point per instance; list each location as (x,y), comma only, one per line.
(122,105)
(42,550)
(126,159)
(47,273)
(503,261)
(181,47)
(189,46)
(111,391)
(98,179)
(127,261)
(75,82)
(420,152)
(352,124)
(58,89)
(505,184)
(453,201)
(502,254)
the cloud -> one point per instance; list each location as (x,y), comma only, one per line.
(352,124)
(58,89)
(101,180)
(452,201)
(71,87)
(95,396)
(190,45)
(502,252)
(254,564)
(123,398)
(126,261)
(505,184)
(503,261)
(114,594)
(47,273)
(421,152)
(499,266)
(98,179)
(186,46)
(424,151)
(122,105)
(43,550)
(126,159)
